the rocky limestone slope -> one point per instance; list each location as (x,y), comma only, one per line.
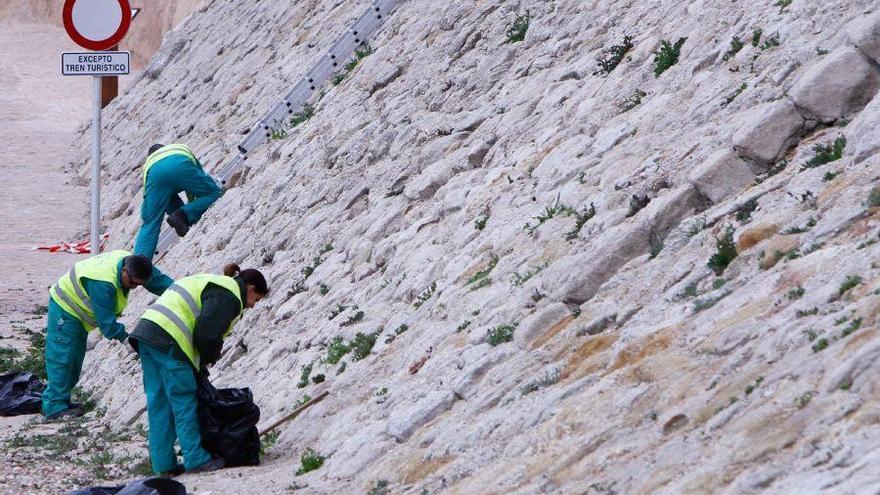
(454,189)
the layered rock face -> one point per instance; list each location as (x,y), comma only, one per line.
(640,281)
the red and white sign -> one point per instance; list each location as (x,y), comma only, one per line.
(97,24)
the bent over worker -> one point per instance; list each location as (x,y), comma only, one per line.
(168,171)
(91,295)
(178,336)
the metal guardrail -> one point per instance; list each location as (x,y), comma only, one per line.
(340,53)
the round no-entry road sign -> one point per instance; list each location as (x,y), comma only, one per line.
(97,24)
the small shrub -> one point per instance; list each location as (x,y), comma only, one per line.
(381,488)
(719,283)
(323,289)
(482,274)
(480,223)
(667,55)
(548,213)
(802,313)
(304,376)
(744,213)
(829,176)
(689,291)
(268,440)
(810,334)
(756,37)
(796,293)
(636,204)
(580,220)
(611,57)
(34,360)
(706,303)
(402,328)
(425,295)
(783,4)
(736,45)
(463,325)
(336,350)
(549,378)
(310,461)
(518,280)
(632,101)
(319,378)
(359,54)
(310,269)
(362,345)
(850,283)
(853,326)
(8,356)
(500,335)
(729,98)
(725,252)
(874,197)
(516,31)
(355,318)
(302,116)
(825,153)
(769,43)
(277,133)
(337,311)
(820,345)
(803,399)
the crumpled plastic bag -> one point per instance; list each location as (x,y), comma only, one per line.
(147,486)
(20,393)
(228,421)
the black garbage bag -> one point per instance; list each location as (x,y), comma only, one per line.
(147,486)
(228,422)
(20,393)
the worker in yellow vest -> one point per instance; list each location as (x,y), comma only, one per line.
(178,336)
(170,170)
(91,295)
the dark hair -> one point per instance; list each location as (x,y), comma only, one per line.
(249,277)
(154,148)
(138,266)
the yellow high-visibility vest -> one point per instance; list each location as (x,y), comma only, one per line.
(70,294)
(178,308)
(165,152)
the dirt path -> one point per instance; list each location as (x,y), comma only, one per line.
(40,203)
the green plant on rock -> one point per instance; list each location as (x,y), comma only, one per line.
(355,318)
(796,293)
(729,98)
(380,488)
(337,311)
(580,220)
(548,213)
(848,284)
(736,45)
(500,335)
(336,350)
(516,31)
(309,461)
(783,4)
(304,376)
(667,55)
(518,280)
(631,102)
(425,295)
(611,57)
(268,440)
(362,345)
(853,326)
(302,116)
(277,133)
(744,213)
(771,42)
(874,197)
(480,223)
(481,278)
(803,313)
(725,252)
(463,325)
(820,345)
(826,153)
(756,37)
(310,269)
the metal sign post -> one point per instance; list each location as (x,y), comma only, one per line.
(96,25)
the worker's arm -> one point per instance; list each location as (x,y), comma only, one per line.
(219,308)
(158,282)
(103,296)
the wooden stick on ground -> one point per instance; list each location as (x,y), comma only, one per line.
(296,412)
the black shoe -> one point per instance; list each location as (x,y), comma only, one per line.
(179,222)
(212,465)
(72,412)
(177,471)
